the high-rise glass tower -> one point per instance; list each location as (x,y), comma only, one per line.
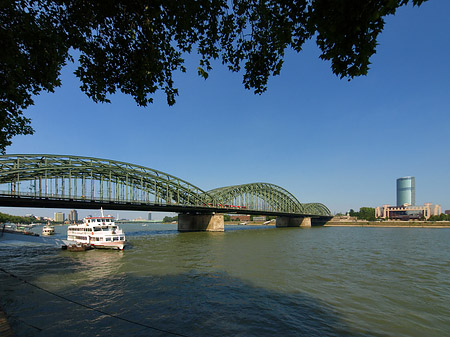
(406,191)
(73,216)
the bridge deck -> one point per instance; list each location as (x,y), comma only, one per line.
(21,201)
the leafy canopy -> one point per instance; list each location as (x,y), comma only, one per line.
(136,46)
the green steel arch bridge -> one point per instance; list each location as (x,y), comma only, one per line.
(60,181)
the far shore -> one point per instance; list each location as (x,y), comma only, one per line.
(405,224)
(359,223)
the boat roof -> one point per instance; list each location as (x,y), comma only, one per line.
(99,217)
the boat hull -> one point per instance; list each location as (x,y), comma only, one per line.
(110,245)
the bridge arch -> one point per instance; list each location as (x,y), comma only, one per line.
(80,180)
(265,196)
(94,179)
(317,209)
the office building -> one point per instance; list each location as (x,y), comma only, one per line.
(407,212)
(406,191)
(73,216)
(59,217)
(406,208)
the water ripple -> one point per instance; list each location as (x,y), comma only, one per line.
(259,282)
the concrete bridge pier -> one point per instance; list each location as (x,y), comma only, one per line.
(188,222)
(285,221)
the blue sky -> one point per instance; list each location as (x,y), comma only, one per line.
(324,139)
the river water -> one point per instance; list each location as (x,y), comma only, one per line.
(247,281)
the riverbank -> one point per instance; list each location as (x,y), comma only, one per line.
(359,223)
(406,224)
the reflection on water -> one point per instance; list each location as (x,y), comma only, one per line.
(253,282)
(85,268)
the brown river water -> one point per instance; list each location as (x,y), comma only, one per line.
(247,281)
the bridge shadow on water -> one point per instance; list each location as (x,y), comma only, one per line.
(190,304)
(193,304)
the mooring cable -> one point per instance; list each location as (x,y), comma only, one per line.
(91,308)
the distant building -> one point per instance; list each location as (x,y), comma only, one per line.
(259,218)
(406,191)
(447,211)
(407,212)
(406,204)
(240,217)
(73,216)
(59,217)
(149,215)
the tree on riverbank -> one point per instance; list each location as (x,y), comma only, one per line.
(168,219)
(15,218)
(365,213)
(441,217)
(135,47)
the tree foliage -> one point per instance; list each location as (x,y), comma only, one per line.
(4,218)
(365,213)
(168,219)
(136,46)
(441,217)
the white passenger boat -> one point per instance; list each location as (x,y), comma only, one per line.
(48,230)
(98,232)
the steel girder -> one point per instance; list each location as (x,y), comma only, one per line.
(94,178)
(267,197)
(317,209)
(87,178)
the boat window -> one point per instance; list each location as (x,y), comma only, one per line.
(122,238)
(108,239)
(115,238)
(96,229)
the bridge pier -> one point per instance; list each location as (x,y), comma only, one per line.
(284,221)
(200,222)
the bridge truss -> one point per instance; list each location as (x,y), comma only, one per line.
(50,180)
